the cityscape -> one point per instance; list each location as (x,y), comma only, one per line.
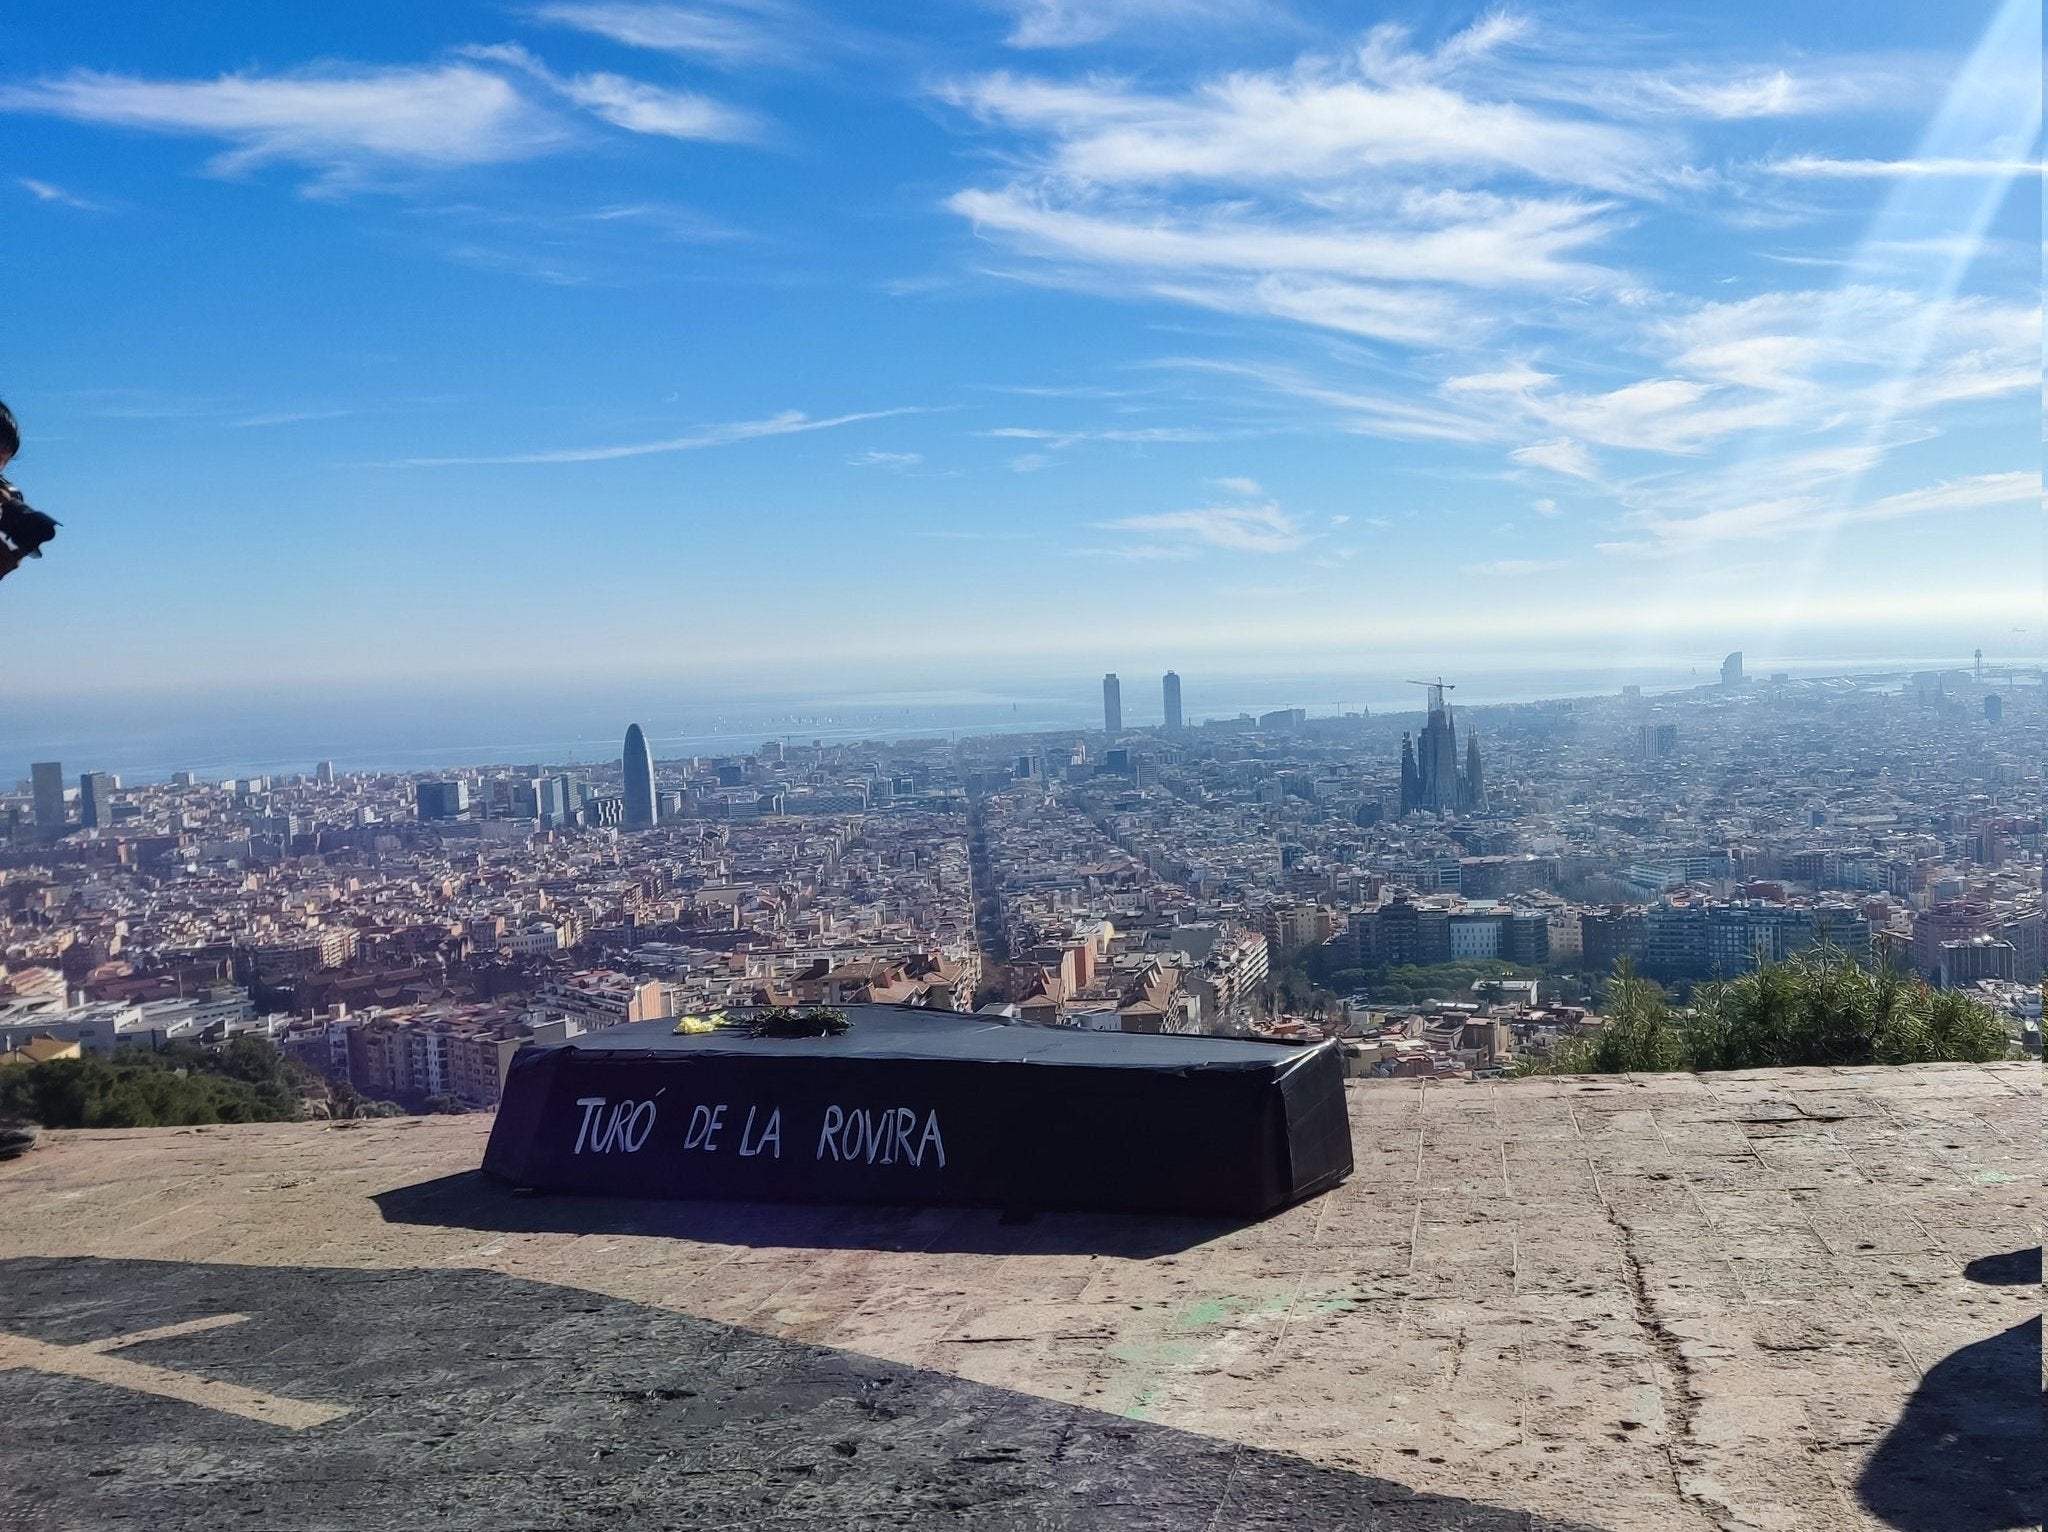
(1446,900)
(1022,766)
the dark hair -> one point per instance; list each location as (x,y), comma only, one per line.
(10,433)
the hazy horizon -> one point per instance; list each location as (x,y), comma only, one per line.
(254,731)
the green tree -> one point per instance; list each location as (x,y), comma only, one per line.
(1639,1037)
(136,1088)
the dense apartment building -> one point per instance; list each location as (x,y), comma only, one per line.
(601,998)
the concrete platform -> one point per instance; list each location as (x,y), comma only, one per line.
(1784,1300)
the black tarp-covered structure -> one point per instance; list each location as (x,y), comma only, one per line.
(927,1107)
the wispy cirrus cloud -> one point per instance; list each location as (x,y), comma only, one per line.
(44,191)
(1773,517)
(352,125)
(642,108)
(1818,167)
(1563,456)
(634,105)
(1073,23)
(1139,436)
(1497,568)
(1144,553)
(788,423)
(1440,201)
(1371,193)
(340,122)
(1235,528)
(730,34)
(1321,123)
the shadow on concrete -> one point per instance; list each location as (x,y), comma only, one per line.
(1966,1454)
(2015,1268)
(462,1400)
(472,1200)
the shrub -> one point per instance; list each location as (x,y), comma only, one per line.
(1819,1008)
(137,1088)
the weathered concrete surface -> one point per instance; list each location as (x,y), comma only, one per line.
(1663,1302)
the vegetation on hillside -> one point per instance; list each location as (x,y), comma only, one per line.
(1820,1008)
(246,1081)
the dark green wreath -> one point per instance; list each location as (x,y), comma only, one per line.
(781,1021)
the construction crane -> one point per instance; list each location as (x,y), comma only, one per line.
(1437,688)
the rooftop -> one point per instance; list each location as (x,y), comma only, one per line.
(1770,1300)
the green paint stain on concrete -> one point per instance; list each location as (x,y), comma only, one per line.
(1157,1355)
(1141,1407)
(1216,1311)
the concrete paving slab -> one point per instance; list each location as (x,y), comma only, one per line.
(1754,1301)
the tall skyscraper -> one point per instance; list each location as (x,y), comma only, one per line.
(324,773)
(554,800)
(1731,670)
(47,779)
(95,799)
(441,799)
(639,791)
(1170,685)
(1112,705)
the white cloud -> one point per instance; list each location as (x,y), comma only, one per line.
(1821,344)
(1072,23)
(728,35)
(633,104)
(1498,567)
(1800,511)
(787,423)
(1408,316)
(643,108)
(1240,529)
(2019,487)
(1714,94)
(1499,243)
(1519,378)
(1375,193)
(43,191)
(340,122)
(1814,166)
(1561,456)
(1355,410)
(1545,507)
(1128,435)
(286,418)
(1322,122)
(1239,486)
(893,460)
(1146,552)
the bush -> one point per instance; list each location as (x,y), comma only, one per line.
(1640,1034)
(136,1088)
(1816,1009)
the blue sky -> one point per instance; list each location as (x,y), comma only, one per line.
(451,342)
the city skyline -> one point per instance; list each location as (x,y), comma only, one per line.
(274,746)
(1686,333)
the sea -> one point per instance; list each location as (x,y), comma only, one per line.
(271,731)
